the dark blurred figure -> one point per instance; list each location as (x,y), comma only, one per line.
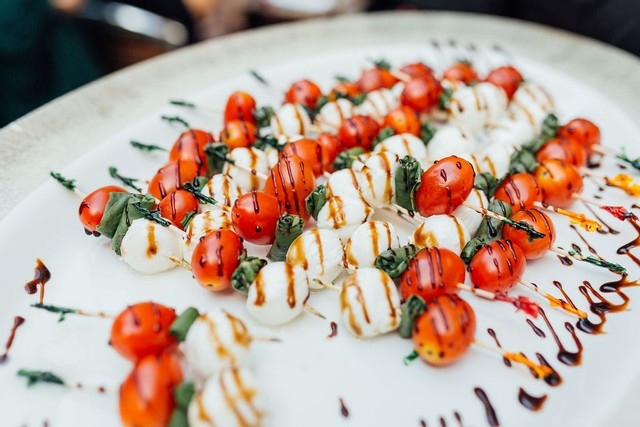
(613,21)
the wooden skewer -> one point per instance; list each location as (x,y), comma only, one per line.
(579,219)
(34,377)
(180,262)
(553,301)
(313,311)
(193,106)
(540,370)
(615,268)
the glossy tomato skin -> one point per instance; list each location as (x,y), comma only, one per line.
(432,272)
(92,207)
(421,94)
(539,221)
(376,78)
(583,131)
(291,180)
(177,205)
(417,70)
(332,145)
(303,92)
(519,191)
(255,217)
(558,181)
(215,258)
(240,106)
(238,133)
(461,71)
(445,330)
(358,131)
(344,89)
(142,329)
(507,77)
(311,152)
(497,266)
(403,119)
(445,185)
(563,148)
(190,146)
(146,395)
(171,177)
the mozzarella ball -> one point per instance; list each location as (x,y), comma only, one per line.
(333,113)
(405,144)
(450,141)
(369,303)
(377,179)
(510,132)
(147,246)
(230,399)
(200,225)
(474,107)
(378,103)
(273,155)
(444,231)
(278,293)
(343,215)
(495,159)
(494,101)
(223,189)
(290,119)
(320,253)
(215,341)
(368,241)
(343,183)
(469,217)
(246,161)
(531,103)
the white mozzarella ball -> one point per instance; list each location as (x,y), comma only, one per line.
(531,103)
(450,140)
(469,217)
(343,183)
(510,132)
(246,161)
(230,399)
(378,103)
(405,144)
(290,119)
(495,159)
(273,155)
(465,109)
(333,113)
(200,225)
(223,189)
(343,215)
(215,341)
(368,241)
(320,253)
(278,293)
(444,231)
(494,101)
(369,303)
(147,246)
(377,179)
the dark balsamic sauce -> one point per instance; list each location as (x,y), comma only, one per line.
(17,322)
(565,260)
(493,335)
(334,330)
(530,402)
(553,379)
(539,332)
(492,418)
(41,275)
(567,357)
(607,228)
(343,409)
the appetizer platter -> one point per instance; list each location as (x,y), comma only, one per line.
(408,234)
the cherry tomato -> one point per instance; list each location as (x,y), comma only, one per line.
(238,133)
(497,266)
(421,94)
(344,89)
(177,205)
(445,185)
(563,148)
(190,146)
(255,216)
(358,131)
(417,70)
(240,106)
(520,191)
(583,131)
(291,180)
(171,177)
(331,143)
(539,221)
(403,120)
(142,329)
(559,181)
(445,330)
(146,395)
(432,272)
(303,92)
(461,71)
(215,257)
(92,207)
(376,78)
(312,153)
(507,77)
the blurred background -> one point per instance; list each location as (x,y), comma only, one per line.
(49,47)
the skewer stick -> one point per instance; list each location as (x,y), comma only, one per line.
(35,377)
(622,181)
(69,184)
(406,214)
(540,370)
(620,212)
(613,267)
(328,285)
(192,106)
(605,151)
(534,234)
(553,301)
(579,219)
(313,311)
(180,262)
(63,311)
(520,303)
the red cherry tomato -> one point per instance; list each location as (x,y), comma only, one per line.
(559,181)
(445,185)
(403,120)
(331,143)
(92,207)
(539,221)
(291,180)
(563,148)
(142,329)
(417,70)
(146,395)
(344,89)
(303,92)
(376,78)
(432,272)
(240,106)
(507,77)
(215,258)
(311,152)
(461,71)
(255,216)
(177,205)
(358,131)
(497,266)
(190,146)
(445,330)
(520,191)
(583,131)
(238,133)
(421,94)
(171,176)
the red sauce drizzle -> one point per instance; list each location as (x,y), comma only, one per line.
(17,322)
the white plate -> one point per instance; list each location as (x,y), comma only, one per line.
(304,377)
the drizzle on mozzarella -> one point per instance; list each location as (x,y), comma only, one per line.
(320,253)
(368,241)
(147,247)
(343,215)
(444,231)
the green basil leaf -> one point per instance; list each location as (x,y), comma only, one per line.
(112,213)
(407,177)
(395,261)
(316,200)
(289,227)
(411,310)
